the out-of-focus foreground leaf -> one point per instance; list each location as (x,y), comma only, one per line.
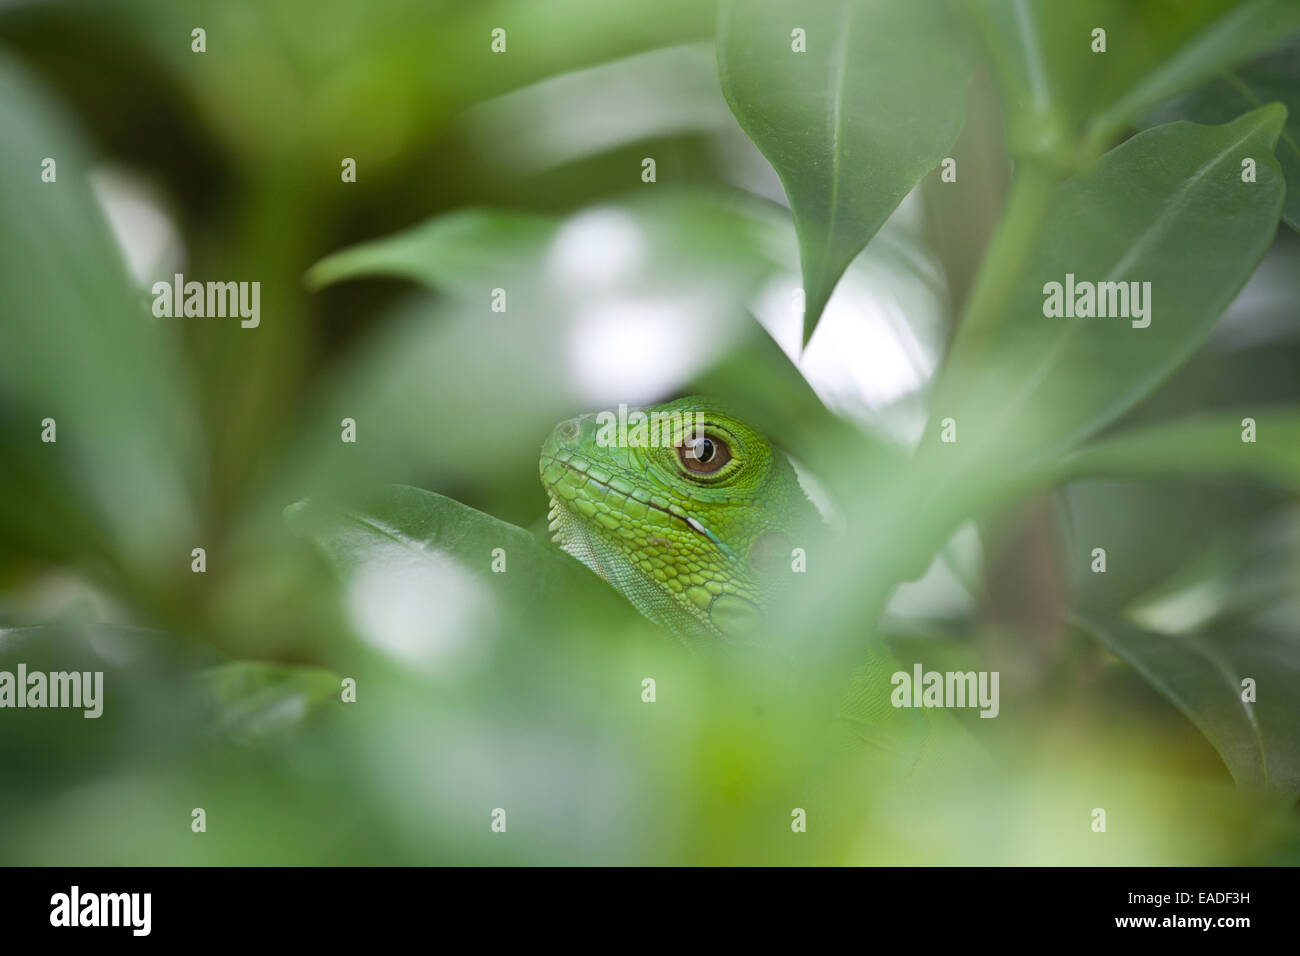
(421,571)
(431,528)
(80,347)
(255,702)
(850,124)
(378,78)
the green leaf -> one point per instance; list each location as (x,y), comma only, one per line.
(1245,578)
(619,302)
(1209,444)
(430,545)
(758,380)
(255,702)
(1066,102)
(145,701)
(1243,30)
(370,79)
(81,348)
(1202,676)
(1167,208)
(456,252)
(1273,78)
(853,123)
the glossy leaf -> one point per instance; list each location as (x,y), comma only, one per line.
(1167,210)
(853,123)
(1273,78)
(1203,677)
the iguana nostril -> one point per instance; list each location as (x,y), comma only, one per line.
(568,431)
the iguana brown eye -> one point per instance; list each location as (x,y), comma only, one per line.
(703,455)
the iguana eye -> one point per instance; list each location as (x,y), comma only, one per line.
(703,455)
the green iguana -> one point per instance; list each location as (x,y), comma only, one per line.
(696,530)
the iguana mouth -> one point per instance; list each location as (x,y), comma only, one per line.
(691,522)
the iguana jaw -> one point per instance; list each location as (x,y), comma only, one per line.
(558,509)
(576,536)
(573,536)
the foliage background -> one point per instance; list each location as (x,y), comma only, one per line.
(523,171)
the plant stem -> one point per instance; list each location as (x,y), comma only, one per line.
(1016,234)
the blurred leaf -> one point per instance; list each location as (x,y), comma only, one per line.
(619,302)
(1202,677)
(1247,581)
(458,249)
(255,702)
(640,99)
(865,713)
(456,252)
(379,78)
(81,347)
(1168,208)
(1273,78)
(432,531)
(759,382)
(146,706)
(1199,446)
(1057,91)
(853,123)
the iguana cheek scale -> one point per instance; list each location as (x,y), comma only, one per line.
(700,552)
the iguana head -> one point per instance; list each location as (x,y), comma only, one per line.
(686,510)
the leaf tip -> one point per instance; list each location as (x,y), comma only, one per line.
(1269,119)
(294,513)
(316,278)
(814,306)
